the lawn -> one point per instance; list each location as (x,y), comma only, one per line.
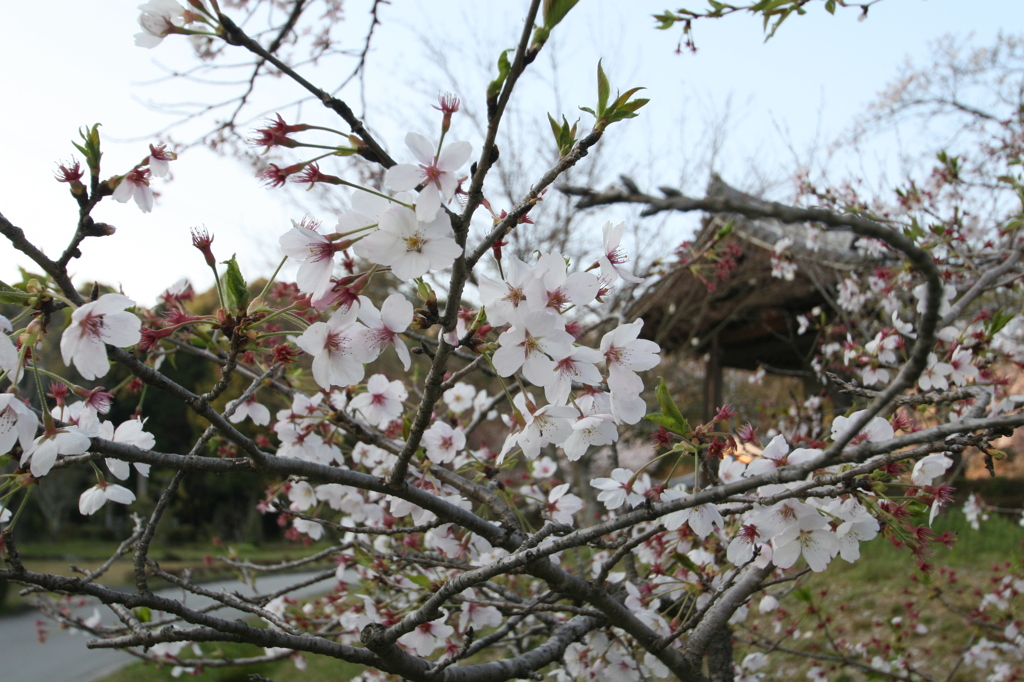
(87,555)
(849,601)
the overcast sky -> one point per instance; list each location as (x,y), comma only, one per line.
(65,69)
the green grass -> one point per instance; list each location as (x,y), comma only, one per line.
(318,668)
(859,600)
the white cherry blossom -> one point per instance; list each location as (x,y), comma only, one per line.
(315,252)
(135,185)
(95,497)
(591,429)
(948,293)
(544,426)
(505,300)
(427,637)
(437,173)
(478,616)
(302,496)
(962,367)
(382,402)
(104,321)
(459,397)
(410,247)
(337,348)
(129,432)
(878,429)
(625,355)
(8,352)
(934,376)
(562,504)
(18,423)
(579,366)
(44,450)
(702,518)
(808,536)
(442,442)
(529,345)
(311,528)
(254,410)
(777,454)
(621,488)
(158,19)
(927,469)
(614,258)
(383,327)
(554,288)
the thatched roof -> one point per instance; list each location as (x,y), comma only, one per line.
(752,313)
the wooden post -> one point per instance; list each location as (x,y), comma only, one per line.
(713,380)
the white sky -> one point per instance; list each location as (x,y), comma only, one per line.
(76,66)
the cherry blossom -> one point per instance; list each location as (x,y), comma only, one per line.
(337,349)
(927,469)
(505,300)
(876,430)
(18,423)
(158,19)
(384,326)
(777,454)
(44,450)
(135,185)
(311,528)
(593,429)
(253,409)
(622,487)
(625,355)
(731,469)
(302,496)
(427,637)
(614,257)
(159,160)
(95,497)
(8,353)
(702,518)
(562,504)
(934,376)
(749,539)
(858,527)
(530,345)
(544,426)
(104,321)
(435,172)
(808,536)
(477,616)
(442,442)
(412,248)
(459,397)
(316,253)
(129,432)
(382,402)
(545,467)
(962,367)
(556,289)
(578,366)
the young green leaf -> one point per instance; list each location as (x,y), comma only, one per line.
(236,292)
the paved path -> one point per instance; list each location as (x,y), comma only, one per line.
(64,656)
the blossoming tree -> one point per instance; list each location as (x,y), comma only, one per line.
(441,567)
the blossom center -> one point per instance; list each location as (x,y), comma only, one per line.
(415,243)
(334,343)
(92,325)
(432,173)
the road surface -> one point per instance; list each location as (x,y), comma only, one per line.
(64,656)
